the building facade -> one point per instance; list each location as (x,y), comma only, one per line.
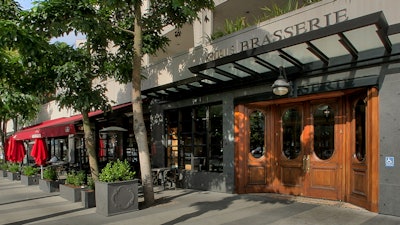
(328,129)
(332,136)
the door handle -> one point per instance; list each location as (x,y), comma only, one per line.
(306,163)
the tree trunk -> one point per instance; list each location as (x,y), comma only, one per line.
(139,126)
(90,146)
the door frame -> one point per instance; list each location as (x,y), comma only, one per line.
(241,143)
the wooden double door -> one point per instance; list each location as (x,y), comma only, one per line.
(308,154)
(307,148)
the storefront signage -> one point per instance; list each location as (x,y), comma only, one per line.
(283,33)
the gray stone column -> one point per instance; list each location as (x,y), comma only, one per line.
(228,143)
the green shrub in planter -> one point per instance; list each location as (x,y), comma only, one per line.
(13,172)
(30,170)
(116,171)
(50,173)
(76,179)
(13,167)
(90,183)
(117,191)
(29,175)
(4,166)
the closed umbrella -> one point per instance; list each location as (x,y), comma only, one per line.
(40,154)
(15,150)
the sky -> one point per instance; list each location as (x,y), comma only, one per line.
(69,39)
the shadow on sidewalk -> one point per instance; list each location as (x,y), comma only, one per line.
(35,219)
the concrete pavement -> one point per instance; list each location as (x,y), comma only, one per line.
(21,204)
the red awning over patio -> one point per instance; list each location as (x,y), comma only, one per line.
(50,128)
(57,127)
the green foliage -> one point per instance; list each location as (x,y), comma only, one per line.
(275,10)
(90,183)
(22,56)
(13,167)
(231,26)
(50,173)
(76,178)
(29,170)
(116,171)
(4,166)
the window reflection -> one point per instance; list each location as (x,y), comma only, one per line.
(194,138)
(360,130)
(257,123)
(291,126)
(324,124)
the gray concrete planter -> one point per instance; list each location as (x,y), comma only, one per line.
(49,186)
(71,193)
(88,198)
(13,176)
(29,180)
(116,198)
(3,173)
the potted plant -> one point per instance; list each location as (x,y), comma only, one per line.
(3,168)
(29,175)
(14,172)
(74,182)
(116,191)
(88,194)
(50,182)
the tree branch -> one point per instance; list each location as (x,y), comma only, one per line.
(125,30)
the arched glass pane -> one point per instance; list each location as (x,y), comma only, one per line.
(291,126)
(324,125)
(257,122)
(360,130)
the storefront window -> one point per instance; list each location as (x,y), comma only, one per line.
(58,148)
(291,128)
(257,124)
(324,125)
(360,130)
(194,138)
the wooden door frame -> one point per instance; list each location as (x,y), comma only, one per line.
(372,151)
(372,133)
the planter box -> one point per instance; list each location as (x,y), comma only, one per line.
(13,176)
(88,198)
(3,173)
(49,186)
(71,193)
(29,180)
(116,198)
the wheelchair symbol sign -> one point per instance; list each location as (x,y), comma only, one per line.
(389,161)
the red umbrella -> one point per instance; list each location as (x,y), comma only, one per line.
(101,150)
(15,150)
(39,153)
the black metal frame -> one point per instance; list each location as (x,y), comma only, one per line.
(354,60)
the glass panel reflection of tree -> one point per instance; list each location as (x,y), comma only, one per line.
(257,122)
(291,128)
(324,124)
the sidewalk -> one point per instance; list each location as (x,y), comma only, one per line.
(21,204)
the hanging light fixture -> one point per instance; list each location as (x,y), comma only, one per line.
(281,86)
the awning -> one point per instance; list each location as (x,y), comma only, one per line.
(58,127)
(50,128)
(350,45)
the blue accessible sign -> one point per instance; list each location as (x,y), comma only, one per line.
(389,161)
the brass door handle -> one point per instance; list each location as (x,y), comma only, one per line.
(306,163)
